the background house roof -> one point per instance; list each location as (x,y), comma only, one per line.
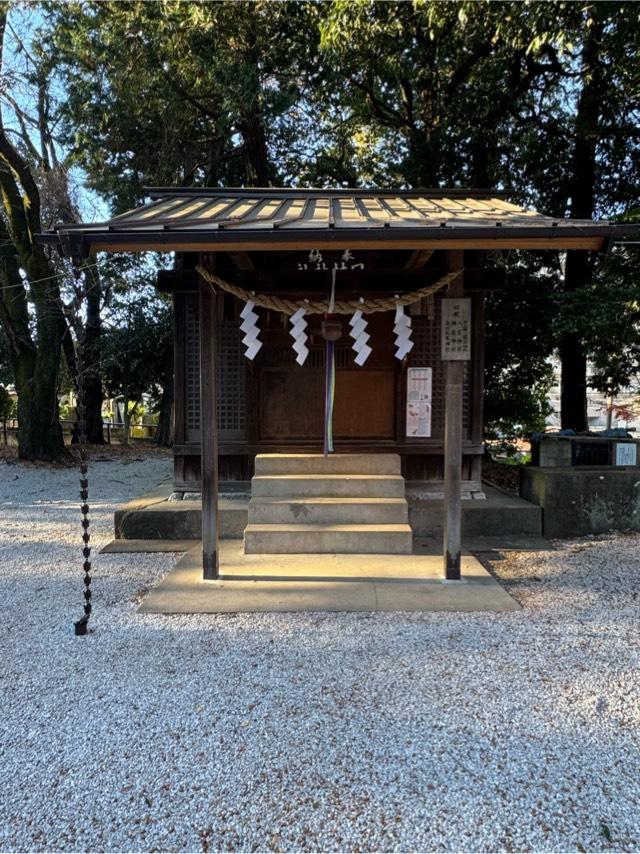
(271,218)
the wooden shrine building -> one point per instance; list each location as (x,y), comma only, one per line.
(275,247)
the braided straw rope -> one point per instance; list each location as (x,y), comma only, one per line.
(368,306)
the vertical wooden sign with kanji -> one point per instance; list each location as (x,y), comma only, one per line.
(456,330)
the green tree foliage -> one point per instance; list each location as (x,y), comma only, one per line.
(133,350)
(34,350)
(7,405)
(40,299)
(539,98)
(177,92)
(609,311)
(518,335)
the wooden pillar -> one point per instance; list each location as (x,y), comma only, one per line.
(454,373)
(209,429)
(477,385)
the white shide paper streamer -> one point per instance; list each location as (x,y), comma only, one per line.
(402,331)
(299,335)
(360,337)
(249,326)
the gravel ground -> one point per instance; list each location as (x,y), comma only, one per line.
(308,731)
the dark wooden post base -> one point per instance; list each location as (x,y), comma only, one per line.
(453,470)
(453,445)
(209,430)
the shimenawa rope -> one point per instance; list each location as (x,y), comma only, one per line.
(369,306)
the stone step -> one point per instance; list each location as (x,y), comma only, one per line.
(327,539)
(266,464)
(328,486)
(370,511)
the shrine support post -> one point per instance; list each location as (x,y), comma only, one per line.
(455,343)
(209,429)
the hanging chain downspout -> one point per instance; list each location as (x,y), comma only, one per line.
(81,624)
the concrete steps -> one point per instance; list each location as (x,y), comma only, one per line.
(327,486)
(302,464)
(333,511)
(343,504)
(328,539)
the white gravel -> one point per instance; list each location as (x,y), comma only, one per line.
(310,731)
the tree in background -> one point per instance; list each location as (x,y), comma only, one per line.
(539,98)
(177,93)
(611,311)
(138,338)
(34,353)
(576,154)
(134,350)
(6,373)
(45,307)
(518,376)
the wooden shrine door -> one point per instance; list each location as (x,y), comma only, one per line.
(291,397)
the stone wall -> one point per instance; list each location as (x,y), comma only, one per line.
(581,500)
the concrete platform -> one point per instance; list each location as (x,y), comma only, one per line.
(421,545)
(498,515)
(153,517)
(116,547)
(288,583)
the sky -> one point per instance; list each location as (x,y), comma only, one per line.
(23,23)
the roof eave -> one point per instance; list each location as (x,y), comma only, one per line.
(314,192)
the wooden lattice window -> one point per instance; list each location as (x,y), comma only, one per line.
(231,409)
(192,369)
(426,353)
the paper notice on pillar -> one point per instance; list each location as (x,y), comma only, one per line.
(419,391)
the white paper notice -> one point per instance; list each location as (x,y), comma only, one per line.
(419,389)
(626,454)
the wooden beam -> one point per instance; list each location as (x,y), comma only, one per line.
(418,258)
(454,373)
(188,244)
(177,281)
(209,430)
(186,281)
(241,260)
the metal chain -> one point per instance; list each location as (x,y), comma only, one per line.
(81,624)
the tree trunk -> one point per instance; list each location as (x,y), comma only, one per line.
(164,431)
(255,153)
(126,421)
(91,361)
(36,363)
(251,124)
(578,271)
